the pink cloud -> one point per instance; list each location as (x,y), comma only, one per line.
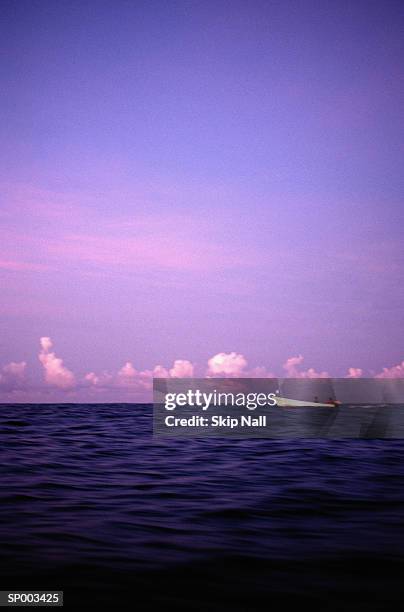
(396,371)
(182,369)
(292,371)
(226,364)
(15,369)
(56,374)
(354,373)
(129,376)
(160,372)
(126,378)
(127,371)
(12,375)
(46,343)
(92,378)
(100,380)
(291,363)
(135,380)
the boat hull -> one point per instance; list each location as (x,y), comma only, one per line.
(285,402)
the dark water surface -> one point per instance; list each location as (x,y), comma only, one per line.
(90,503)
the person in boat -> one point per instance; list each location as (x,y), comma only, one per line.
(333,402)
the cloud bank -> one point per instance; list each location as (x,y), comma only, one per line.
(132,384)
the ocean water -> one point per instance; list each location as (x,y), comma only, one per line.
(92,504)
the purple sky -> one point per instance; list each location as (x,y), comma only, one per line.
(184,179)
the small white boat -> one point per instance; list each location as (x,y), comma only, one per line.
(285,402)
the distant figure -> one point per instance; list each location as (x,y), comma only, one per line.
(333,402)
(316,399)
